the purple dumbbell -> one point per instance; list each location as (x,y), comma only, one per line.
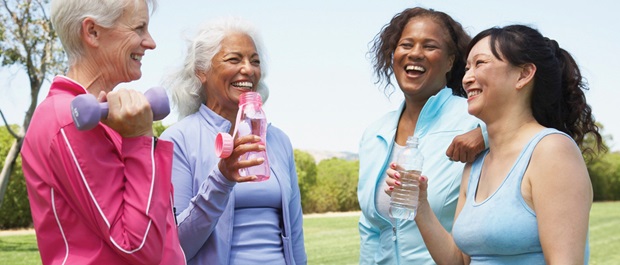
(87,111)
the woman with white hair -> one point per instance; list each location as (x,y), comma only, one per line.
(222,220)
(100,196)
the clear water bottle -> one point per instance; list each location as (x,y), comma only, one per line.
(404,200)
(250,120)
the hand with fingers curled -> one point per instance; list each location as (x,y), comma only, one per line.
(231,165)
(90,145)
(393,180)
(465,147)
(129,114)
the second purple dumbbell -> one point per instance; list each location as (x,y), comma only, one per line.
(87,111)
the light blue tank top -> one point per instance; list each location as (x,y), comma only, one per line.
(257,235)
(501,229)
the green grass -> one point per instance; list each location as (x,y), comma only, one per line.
(19,250)
(335,240)
(332,240)
(605,233)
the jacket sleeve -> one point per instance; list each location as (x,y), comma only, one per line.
(120,188)
(296,214)
(197,213)
(369,241)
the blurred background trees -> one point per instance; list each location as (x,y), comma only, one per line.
(28,41)
(327,186)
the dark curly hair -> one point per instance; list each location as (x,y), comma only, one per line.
(558,99)
(385,42)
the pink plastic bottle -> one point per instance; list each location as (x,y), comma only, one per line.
(250,120)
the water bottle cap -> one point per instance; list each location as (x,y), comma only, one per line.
(223,145)
(251,96)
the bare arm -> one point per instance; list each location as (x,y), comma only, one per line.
(439,242)
(561,196)
(465,147)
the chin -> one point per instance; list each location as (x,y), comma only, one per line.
(136,76)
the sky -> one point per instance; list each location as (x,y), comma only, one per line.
(322,90)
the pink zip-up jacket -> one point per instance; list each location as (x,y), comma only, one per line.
(95,197)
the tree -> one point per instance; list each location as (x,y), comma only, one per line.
(336,187)
(306,174)
(15,209)
(605,175)
(158,128)
(342,176)
(27,39)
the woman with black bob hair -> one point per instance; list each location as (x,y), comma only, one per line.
(527,199)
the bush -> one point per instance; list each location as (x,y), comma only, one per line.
(335,189)
(15,208)
(605,175)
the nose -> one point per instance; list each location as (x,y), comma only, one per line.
(148,42)
(468,78)
(415,53)
(247,68)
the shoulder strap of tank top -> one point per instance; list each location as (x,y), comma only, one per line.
(523,160)
(474,174)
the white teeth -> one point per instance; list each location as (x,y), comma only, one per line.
(245,84)
(473,93)
(136,57)
(415,68)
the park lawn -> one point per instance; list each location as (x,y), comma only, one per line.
(19,250)
(335,239)
(605,233)
(332,240)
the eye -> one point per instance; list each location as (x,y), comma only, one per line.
(140,28)
(478,62)
(256,62)
(233,60)
(406,45)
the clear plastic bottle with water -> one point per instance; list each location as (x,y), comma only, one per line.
(404,201)
(251,120)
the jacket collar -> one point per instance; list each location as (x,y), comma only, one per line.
(213,119)
(430,111)
(67,85)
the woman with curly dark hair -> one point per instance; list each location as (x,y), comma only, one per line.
(424,50)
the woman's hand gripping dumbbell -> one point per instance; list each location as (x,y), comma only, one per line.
(129,111)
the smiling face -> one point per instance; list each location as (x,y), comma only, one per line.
(235,69)
(491,84)
(123,45)
(422,58)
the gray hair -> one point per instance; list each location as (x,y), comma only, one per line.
(67,17)
(186,88)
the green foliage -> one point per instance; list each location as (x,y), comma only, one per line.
(15,209)
(28,39)
(158,128)
(335,189)
(603,167)
(306,174)
(605,175)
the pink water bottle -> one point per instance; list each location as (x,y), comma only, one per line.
(250,120)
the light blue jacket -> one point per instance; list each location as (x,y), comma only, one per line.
(204,198)
(443,117)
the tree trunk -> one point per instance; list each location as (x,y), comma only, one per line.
(7,169)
